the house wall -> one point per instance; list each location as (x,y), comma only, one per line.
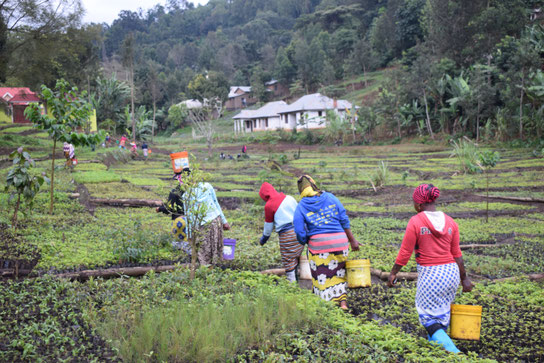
(278,90)
(313,119)
(235,103)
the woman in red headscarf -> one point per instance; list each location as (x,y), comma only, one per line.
(435,238)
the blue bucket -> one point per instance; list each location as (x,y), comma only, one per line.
(228,248)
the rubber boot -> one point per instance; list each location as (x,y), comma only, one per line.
(444,340)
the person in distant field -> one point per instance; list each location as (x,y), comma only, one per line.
(222,156)
(278,213)
(230,157)
(108,140)
(440,267)
(145,149)
(321,221)
(244,149)
(214,222)
(134,149)
(66,150)
(122,142)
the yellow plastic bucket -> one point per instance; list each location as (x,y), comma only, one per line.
(358,273)
(180,161)
(466,321)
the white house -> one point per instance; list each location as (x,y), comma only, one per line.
(240,121)
(262,119)
(310,111)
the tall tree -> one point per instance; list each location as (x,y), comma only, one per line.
(30,21)
(68,112)
(128,63)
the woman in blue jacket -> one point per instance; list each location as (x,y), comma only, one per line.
(321,221)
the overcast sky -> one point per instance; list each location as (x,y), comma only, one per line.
(100,11)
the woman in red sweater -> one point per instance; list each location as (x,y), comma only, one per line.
(435,238)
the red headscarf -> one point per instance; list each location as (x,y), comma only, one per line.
(426,193)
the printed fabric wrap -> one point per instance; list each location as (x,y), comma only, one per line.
(329,275)
(179,228)
(290,250)
(436,288)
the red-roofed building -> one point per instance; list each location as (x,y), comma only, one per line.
(13,102)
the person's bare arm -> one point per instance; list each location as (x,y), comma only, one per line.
(352,241)
(465,281)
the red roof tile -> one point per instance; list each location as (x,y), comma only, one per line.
(18,95)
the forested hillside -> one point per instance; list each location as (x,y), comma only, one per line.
(469,66)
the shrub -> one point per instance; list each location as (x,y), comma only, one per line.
(380,177)
(466,153)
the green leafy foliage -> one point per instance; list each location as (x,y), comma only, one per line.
(20,179)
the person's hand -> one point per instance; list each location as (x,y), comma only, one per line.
(263,240)
(354,245)
(157,209)
(391,281)
(467,285)
(226,227)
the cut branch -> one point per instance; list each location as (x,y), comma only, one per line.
(516,199)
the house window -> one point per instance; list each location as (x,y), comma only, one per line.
(266,122)
(286,119)
(320,113)
(275,87)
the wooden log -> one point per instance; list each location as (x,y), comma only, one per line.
(116,272)
(476,245)
(408,276)
(274,271)
(126,202)
(516,199)
(531,277)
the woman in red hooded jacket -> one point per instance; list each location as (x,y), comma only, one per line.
(435,238)
(278,213)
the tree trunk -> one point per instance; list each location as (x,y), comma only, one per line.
(132,102)
(478,122)
(194,255)
(52,176)
(14,219)
(428,120)
(521,105)
(154,114)
(487,199)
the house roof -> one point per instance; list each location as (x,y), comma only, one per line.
(271,82)
(190,104)
(244,115)
(232,92)
(316,102)
(21,95)
(271,109)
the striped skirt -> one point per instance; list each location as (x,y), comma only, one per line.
(436,288)
(329,275)
(328,242)
(290,250)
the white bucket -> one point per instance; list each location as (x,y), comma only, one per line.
(304,272)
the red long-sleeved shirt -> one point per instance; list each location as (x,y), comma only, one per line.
(432,247)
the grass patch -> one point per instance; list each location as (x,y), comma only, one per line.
(96,176)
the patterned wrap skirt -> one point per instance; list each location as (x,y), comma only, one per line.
(290,249)
(436,288)
(329,274)
(211,243)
